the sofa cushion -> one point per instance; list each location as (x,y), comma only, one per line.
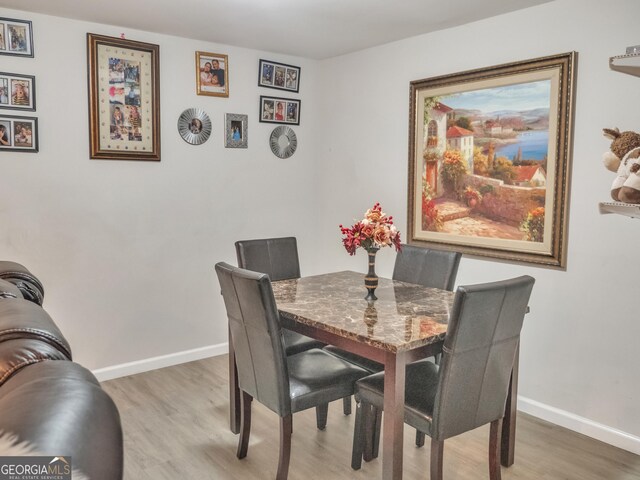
(20,318)
(20,352)
(60,409)
(27,282)
(9,290)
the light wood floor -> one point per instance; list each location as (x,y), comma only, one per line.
(176,427)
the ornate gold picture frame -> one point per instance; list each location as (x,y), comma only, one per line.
(489,160)
(124,99)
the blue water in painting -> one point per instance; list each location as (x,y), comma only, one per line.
(534,146)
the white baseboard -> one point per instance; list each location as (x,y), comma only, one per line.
(140,366)
(579,424)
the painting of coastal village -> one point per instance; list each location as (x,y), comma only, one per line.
(485,162)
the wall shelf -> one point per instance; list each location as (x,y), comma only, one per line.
(620,208)
(629,63)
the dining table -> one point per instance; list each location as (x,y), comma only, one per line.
(406,323)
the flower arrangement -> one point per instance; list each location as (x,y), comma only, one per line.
(533,225)
(471,196)
(374,231)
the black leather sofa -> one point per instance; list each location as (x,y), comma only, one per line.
(48,403)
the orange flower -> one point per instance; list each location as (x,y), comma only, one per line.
(373,215)
(538,212)
(382,236)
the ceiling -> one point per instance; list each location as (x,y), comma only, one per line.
(315,29)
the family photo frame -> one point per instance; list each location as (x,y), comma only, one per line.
(236,130)
(280,110)
(490,158)
(124,99)
(16,37)
(212,74)
(17,92)
(278,75)
(18,134)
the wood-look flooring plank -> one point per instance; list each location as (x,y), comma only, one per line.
(176,426)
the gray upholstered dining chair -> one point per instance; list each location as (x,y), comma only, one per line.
(421,266)
(284,384)
(470,386)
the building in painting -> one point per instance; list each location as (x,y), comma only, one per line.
(530,176)
(435,143)
(459,138)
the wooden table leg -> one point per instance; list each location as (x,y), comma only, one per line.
(234,391)
(394,373)
(508,447)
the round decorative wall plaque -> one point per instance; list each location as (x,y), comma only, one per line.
(283,141)
(194,126)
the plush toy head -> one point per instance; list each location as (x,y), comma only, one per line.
(623,158)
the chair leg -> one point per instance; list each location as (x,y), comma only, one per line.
(495,438)
(437,451)
(377,427)
(346,405)
(437,358)
(321,416)
(419,439)
(358,437)
(286,429)
(245,424)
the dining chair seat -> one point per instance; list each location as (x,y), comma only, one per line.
(421,378)
(317,377)
(295,342)
(369,365)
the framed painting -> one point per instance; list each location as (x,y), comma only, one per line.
(280,110)
(16,37)
(212,74)
(489,160)
(236,130)
(124,99)
(278,75)
(17,92)
(18,134)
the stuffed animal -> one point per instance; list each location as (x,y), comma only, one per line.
(623,158)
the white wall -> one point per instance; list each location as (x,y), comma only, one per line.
(126,249)
(579,346)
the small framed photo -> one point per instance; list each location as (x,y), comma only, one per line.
(16,37)
(279,75)
(212,74)
(280,110)
(17,92)
(236,127)
(18,134)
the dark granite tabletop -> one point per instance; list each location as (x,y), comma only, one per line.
(405,316)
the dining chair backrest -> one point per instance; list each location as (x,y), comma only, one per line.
(427,267)
(478,355)
(257,336)
(277,257)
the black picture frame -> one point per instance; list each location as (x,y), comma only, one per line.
(268,110)
(268,76)
(12,40)
(8,83)
(17,144)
